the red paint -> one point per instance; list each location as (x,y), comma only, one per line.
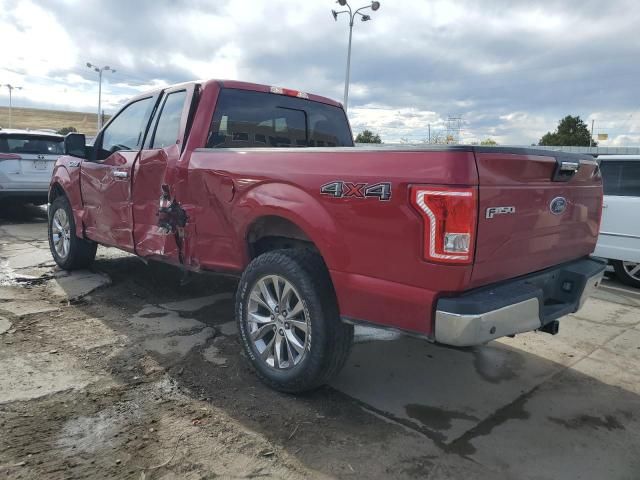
(532,238)
(374,249)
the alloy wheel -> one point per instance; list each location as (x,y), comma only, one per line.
(632,269)
(278,324)
(61,233)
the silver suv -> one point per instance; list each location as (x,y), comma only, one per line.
(27,158)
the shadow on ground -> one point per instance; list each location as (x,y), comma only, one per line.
(498,406)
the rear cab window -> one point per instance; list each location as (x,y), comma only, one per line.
(32,144)
(248,119)
(621,178)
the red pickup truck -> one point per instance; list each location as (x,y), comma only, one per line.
(459,245)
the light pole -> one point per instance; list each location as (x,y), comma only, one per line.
(100,70)
(11,89)
(352,15)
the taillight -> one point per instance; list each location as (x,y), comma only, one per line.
(449,216)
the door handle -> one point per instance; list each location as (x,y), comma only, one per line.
(119,174)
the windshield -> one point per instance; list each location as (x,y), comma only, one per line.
(31,144)
(245,118)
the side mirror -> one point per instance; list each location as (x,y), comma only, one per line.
(75,145)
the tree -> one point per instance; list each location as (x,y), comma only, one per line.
(488,141)
(367,136)
(571,131)
(65,130)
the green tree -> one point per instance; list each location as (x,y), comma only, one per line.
(367,136)
(65,130)
(488,141)
(571,131)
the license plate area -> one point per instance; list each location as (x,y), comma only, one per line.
(40,164)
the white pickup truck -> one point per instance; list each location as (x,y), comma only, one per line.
(619,239)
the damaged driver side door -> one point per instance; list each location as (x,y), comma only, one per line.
(105,179)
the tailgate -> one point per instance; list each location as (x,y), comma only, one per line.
(534,211)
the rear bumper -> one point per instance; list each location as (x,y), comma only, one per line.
(519,305)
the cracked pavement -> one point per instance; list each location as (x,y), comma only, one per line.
(122,372)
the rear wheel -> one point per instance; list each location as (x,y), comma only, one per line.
(289,322)
(69,251)
(627,272)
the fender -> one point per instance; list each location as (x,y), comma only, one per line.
(299,207)
(66,174)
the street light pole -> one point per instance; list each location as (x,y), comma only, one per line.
(100,70)
(11,89)
(352,15)
(348,74)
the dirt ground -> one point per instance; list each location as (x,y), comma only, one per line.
(122,372)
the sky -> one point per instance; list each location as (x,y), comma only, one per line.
(508,69)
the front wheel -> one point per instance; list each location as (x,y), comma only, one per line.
(288,320)
(627,272)
(69,251)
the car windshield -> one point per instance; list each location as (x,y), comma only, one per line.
(38,144)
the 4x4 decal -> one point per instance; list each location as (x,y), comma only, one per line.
(340,189)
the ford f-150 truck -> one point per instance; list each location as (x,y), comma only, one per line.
(459,244)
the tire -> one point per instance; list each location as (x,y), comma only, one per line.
(79,253)
(624,275)
(313,324)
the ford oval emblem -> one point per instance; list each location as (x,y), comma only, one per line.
(558,205)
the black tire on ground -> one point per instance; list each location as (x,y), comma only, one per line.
(81,252)
(623,274)
(331,339)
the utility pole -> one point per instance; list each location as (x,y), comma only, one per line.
(591,136)
(429,134)
(11,89)
(100,70)
(352,15)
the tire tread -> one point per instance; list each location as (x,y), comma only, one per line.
(81,252)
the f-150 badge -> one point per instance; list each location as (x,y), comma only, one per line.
(493,211)
(340,189)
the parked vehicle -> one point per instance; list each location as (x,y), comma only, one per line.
(27,158)
(459,245)
(619,239)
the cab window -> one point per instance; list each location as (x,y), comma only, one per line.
(248,119)
(126,131)
(621,178)
(168,126)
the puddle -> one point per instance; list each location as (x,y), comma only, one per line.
(436,418)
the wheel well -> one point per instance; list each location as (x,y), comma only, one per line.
(273,233)
(55,191)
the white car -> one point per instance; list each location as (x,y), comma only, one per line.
(619,239)
(27,158)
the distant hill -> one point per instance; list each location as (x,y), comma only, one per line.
(36,118)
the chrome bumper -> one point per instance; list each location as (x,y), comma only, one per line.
(460,327)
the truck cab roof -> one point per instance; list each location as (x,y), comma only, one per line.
(238,85)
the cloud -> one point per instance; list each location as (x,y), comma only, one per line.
(509,69)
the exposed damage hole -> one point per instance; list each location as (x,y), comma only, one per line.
(172,219)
